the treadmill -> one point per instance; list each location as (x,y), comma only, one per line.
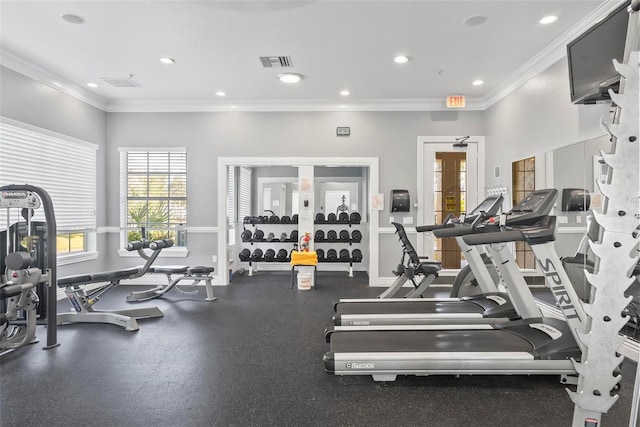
(476,258)
(487,308)
(534,345)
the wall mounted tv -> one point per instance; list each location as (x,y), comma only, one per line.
(591,71)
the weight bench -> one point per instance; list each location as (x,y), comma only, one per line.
(194,274)
(82,301)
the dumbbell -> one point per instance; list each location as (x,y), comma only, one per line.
(355,218)
(343,218)
(244,255)
(356,255)
(270,255)
(356,236)
(294,236)
(256,255)
(281,256)
(332,218)
(286,219)
(344,235)
(318,236)
(249,220)
(270,237)
(294,219)
(320,218)
(344,255)
(320,254)
(258,235)
(332,235)
(274,219)
(332,255)
(246,236)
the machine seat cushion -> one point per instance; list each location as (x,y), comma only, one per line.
(169,269)
(114,276)
(199,269)
(428,268)
(74,280)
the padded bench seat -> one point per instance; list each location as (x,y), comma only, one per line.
(107,276)
(169,269)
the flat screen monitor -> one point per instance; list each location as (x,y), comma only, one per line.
(590,56)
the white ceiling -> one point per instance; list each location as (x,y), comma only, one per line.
(335,44)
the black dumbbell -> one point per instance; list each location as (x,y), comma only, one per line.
(256,255)
(294,219)
(332,255)
(244,255)
(269,255)
(318,236)
(246,236)
(286,219)
(344,255)
(332,235)
(281,256)
(344,235)
(343,218)
(356,255)
(320,254)
(319,218)
(355,218)
(274,219)
(294,236)
(356,236)
(332,218)
(258,235)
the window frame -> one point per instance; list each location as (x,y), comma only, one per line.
(174,251)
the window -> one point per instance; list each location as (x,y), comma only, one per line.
(64,167)
(523,176)
(231,204)
(244,193)
(154,194)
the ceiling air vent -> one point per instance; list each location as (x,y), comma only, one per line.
(120,81)
(276,61)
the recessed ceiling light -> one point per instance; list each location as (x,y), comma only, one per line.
(474,21)
(345,93)
(221,93)
(290,77)
(343,106)
(166,60)
(401,59)
(549,19)
(72,19)
(234,106)
(92,85)
(477,82)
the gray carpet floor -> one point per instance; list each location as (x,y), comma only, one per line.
(252,358)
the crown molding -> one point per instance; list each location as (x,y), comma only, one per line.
(26,68)
(425,104)
(549,55)
(545,58)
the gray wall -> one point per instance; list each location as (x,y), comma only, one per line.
(28,101)
(537,118)
(390,136)
(533,119)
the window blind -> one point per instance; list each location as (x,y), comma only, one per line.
(244,193)
(63,166)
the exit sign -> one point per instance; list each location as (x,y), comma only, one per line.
(455,101)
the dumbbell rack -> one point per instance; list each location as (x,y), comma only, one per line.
(254,223)
(350,241)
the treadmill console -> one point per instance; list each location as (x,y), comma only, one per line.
(490,206)
(537,204)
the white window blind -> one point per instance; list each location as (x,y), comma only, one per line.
(154,193)
(231,196)
(244,193)
(231,203)
(63,166)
